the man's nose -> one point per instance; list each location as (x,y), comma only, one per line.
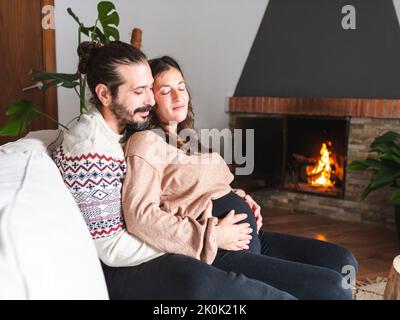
(150,98)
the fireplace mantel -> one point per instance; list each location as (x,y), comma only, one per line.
(338,107)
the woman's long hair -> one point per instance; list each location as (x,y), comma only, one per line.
(158,66)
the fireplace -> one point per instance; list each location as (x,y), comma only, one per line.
(268,150)
(292,135)
(315,155)
(288,153)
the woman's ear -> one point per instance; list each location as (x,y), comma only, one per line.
(103,94)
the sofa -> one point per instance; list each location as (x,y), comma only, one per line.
(46,251)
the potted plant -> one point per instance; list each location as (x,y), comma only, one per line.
(23,112)
(384,163)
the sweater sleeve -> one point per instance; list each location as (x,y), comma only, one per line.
(165,231)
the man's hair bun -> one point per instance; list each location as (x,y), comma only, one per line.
(86,50)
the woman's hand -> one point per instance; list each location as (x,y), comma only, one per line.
(253,206)
(232,236)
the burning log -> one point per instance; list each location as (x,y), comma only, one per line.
(319,175)
(297,168)
(317,172)
(303,159)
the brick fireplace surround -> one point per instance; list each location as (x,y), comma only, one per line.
(368,119)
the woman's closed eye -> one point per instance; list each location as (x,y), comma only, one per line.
(165,92)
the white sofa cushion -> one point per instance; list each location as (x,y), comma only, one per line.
(46,251)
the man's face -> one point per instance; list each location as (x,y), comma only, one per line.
(135,96)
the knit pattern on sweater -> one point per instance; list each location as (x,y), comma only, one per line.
(95,182)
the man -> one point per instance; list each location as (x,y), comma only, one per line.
(92,164)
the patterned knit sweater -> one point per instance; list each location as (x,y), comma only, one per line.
(91,162)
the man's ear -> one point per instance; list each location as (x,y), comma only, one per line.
(103,94)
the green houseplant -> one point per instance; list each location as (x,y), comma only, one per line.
(384,163)
(104,30)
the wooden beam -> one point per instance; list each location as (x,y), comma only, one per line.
(50,106)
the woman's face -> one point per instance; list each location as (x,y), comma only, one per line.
(171,96)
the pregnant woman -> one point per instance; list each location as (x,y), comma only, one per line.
(171,188)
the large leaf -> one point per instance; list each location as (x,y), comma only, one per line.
(390,160)
(384,177)
(93,32)
(84,30)
(396,158)
(74,16)
(383,144)
(109,20)
(386,156)
(390,163)
(386,139)
(99,36)
(395,197)
(20,115)
(396,150)
(362,165)
(87,30)
(52,79)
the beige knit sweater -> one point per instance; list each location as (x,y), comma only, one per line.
(165,193)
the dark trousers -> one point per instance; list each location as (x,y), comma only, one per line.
(277,266)
(289,266)
(178,277)
(304,267)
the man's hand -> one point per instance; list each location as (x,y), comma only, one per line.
(253,206)
(256,210)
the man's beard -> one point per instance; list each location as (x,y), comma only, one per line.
(127,118)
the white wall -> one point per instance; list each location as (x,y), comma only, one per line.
(396,4)
(210,39)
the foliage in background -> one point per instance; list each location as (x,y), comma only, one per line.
(104,30)
(384,163)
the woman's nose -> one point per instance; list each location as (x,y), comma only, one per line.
(176,95)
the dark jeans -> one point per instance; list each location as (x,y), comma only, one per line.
(178,277)
(277,266)
(304,267)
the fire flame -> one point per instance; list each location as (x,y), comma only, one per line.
(320,236)
(320,174)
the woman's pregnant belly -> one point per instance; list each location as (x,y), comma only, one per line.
(232,201)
